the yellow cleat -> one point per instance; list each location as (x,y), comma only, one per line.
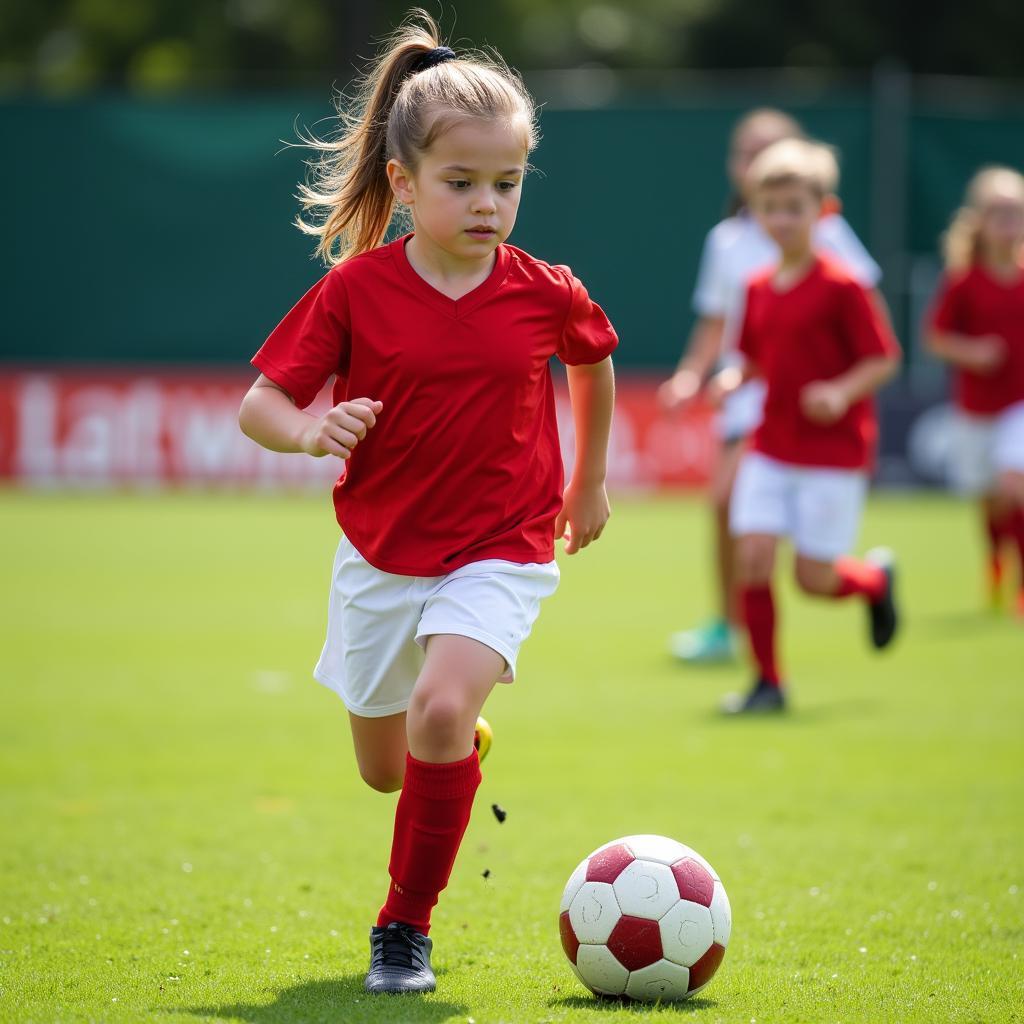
(484,737)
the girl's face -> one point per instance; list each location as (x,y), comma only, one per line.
(1002,222)
(747,144)
(788,213)
(464,195)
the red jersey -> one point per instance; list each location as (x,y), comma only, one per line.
(815,330)
(464,462)
(974,303)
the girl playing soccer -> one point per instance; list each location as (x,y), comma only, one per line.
(734,249)
(977,325)
(444,414)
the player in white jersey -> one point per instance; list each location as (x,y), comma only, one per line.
(734,249)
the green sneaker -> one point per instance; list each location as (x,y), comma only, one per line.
(709,644)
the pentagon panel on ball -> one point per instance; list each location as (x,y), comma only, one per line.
(646,918)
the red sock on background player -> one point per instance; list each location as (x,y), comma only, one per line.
(858,577)
(758,606)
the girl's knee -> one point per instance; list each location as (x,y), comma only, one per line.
(754,562)
(813,577)
(382,778)
(439,713)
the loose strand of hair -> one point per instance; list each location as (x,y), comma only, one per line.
(346,199)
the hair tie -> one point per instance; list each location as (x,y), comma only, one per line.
(432,58)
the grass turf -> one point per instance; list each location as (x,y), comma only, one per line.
(185,836)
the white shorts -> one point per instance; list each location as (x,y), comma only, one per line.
(819,509)
(378,623)
(741,411)
(982,447)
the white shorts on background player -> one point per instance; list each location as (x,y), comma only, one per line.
(734,250)
(818,508)
(378,623)
(982,447)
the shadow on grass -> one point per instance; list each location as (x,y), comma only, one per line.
(955,625)
(610,1004)
(331,1000)
(797,714)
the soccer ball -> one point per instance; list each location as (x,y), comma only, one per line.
(645,917)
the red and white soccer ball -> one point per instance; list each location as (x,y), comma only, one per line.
(645,917)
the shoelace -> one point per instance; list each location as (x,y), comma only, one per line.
(396,948)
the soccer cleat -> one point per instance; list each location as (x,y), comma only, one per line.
(399,960)
(882,613)
(763,699)
(705,645)
(483,738)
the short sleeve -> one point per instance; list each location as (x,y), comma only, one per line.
(836,236)
(587,334)
(864,324)
(944,314)
(310,343)
(711,293)
(746,343)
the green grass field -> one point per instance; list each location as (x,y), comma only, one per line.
(185,837)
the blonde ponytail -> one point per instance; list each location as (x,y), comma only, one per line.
(402,104)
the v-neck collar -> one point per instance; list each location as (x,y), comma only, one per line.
(811,271)
(455,308)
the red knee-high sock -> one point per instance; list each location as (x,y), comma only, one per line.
(430,821)
(856,577)
(1000,528)
(1018,534)
(759,616)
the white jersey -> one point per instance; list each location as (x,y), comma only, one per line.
(737,247)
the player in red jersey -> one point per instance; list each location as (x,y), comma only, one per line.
(823,347)
(444,415)
(977,326)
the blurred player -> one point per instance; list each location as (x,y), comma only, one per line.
(823,346)
(977,325)
(735,249)
(444,412)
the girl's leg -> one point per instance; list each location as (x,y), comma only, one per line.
(381,747)
(721,494)
(755,562)
(998,516)
(1011,494)
(869,578)
(442,773)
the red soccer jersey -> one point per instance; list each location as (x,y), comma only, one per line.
(815,330)
(464,462)
(974,303)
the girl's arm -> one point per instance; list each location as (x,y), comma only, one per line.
(726,381)
(696,364)
(826,401)
(981,354)
(269,416)
(585,506)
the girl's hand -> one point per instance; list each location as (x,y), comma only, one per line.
(985,355)
(723,384)
(824,401)
(585,509)
(679,390)
(340,429)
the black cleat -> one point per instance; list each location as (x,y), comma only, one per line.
(399,960)
(763,699)
(882,613)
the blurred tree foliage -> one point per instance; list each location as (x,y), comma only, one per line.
(167,45)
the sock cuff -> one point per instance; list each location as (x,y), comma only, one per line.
(442,781)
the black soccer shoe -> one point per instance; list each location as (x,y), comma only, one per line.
(882,614)
(763,699)
(399,960)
